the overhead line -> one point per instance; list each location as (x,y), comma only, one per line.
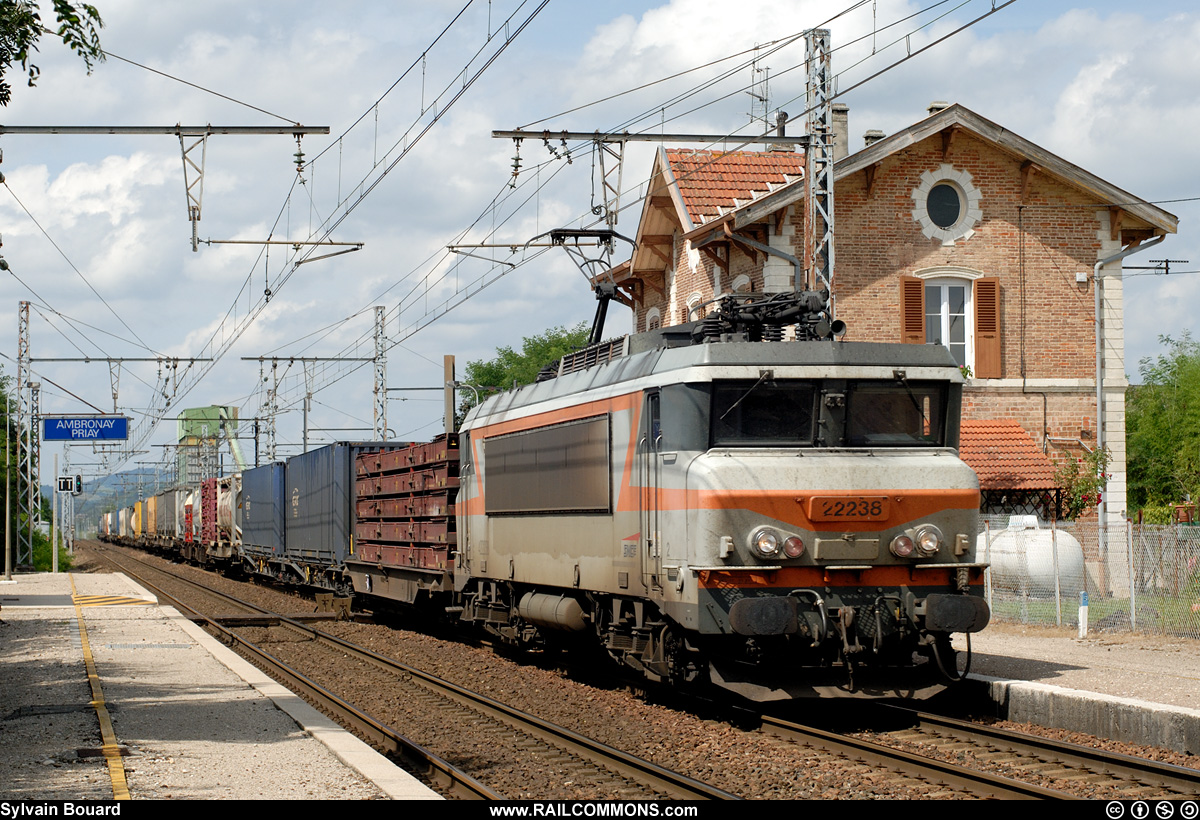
(198,87)
(72,264)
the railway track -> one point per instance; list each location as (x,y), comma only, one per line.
(286,646)
(1025,756)
(950,776)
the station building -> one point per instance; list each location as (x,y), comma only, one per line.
(953,231)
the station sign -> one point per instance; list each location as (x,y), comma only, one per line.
(85,428)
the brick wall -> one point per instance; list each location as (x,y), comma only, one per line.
(1032,233)
(1046,314)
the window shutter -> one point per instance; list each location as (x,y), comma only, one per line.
(988,361)
(912,310)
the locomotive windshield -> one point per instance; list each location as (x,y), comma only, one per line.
(751,413)
(896,414)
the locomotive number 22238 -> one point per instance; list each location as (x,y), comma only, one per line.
(842,508)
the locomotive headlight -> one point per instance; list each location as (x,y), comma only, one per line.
(793,547)
(901,546)
(765,543)
(928,540)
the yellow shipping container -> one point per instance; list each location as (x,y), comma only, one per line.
(150,521)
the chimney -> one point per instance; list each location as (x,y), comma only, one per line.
(873,136)
(936,106)
(781,119)
(841,130)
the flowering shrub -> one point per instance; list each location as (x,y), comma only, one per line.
(1082,480)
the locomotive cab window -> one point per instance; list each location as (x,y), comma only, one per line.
(763,412)
(896,414)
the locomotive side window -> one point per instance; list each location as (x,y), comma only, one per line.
(896,414)
(560,468)
(750,413)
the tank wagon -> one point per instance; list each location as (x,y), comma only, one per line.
(173,522)
(707,504)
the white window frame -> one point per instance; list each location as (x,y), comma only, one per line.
(945,277)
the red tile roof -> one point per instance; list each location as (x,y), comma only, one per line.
(1004,456)
(714,182)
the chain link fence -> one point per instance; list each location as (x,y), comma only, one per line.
(1143,578)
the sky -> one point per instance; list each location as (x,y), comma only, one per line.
(96,233)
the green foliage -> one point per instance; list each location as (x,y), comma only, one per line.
(1082,480)
(513,368)
(43,560)
(1156,514)
(21,28)
(1163,426)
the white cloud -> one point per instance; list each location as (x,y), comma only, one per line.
(1108,89)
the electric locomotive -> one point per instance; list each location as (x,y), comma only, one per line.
(778,518)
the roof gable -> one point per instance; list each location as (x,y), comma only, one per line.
(958,117)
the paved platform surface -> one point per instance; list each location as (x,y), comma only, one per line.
(1125,686)
(176,715)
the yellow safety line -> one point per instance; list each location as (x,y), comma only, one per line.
(109,600)
(112,753)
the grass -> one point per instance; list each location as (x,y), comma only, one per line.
(1167,615)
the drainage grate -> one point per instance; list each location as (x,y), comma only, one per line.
(48,709)
(121,750)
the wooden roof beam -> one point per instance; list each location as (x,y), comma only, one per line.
(741,246)
(948,136)
(713,252)
(871,171)
(1027,169)
(1115,217)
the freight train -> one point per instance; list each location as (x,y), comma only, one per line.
(708,504)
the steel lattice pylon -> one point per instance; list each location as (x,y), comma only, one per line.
(33,493)
(272,409)
(818,165)
(26,430)
(381,426)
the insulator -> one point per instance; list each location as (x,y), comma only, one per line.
(712,326)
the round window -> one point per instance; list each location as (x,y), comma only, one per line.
(947,204)
(944,205)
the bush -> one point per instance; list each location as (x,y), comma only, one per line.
(43,560)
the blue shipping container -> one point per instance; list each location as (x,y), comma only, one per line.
(263,507)
(319,504)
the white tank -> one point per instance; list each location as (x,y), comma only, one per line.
(1022,558)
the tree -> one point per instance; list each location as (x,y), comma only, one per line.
(21,28)
(1163,426)
(512,369)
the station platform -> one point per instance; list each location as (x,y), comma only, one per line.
(105,694)
(1125,686)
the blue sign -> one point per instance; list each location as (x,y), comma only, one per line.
(86,428)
